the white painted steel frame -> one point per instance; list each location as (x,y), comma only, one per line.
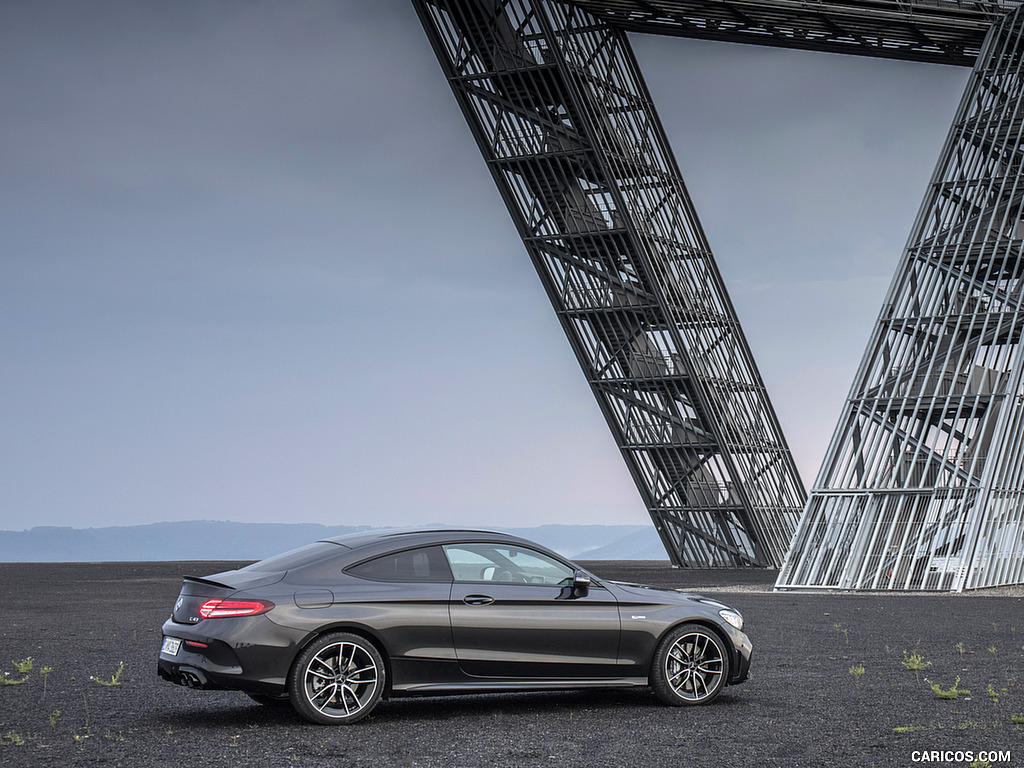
(922,487)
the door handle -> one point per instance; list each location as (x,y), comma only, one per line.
(478,599)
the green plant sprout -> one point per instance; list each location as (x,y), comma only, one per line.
(954,692)
(909,728)
(916,662)
(54,716)
(839,628)
(45,672)
(994,651)
(960,649)
(115,679)
(24,667)
(857,670)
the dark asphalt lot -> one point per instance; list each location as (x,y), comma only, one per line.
(802,707)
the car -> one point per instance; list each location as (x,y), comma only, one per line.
(335,626)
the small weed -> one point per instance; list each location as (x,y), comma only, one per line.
(960,649)
(954,692)
(45,672)
(81,737)
(54,716)
(994,694)
(5,679)
(857,670)
(916,662)
(1018,719)
(115,679)
(24,666)
(910,728)
(967,725)
(981,764)
(995,627)
(840,629)
(234,741)
(994,651)
(16,739)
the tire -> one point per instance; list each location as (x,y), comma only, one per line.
(337,679)
(690,666)
(269,699)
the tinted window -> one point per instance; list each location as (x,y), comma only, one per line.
(296,558)
(505,564)
(426,564)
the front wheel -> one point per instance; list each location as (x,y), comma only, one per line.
(690,666)
(339,678)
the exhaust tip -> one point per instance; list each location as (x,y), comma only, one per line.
(191,679)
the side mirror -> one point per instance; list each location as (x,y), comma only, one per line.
(580,584)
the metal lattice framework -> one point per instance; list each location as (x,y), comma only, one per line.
(565,123)
(923,485)
(939,31)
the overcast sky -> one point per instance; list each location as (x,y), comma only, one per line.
(253,268)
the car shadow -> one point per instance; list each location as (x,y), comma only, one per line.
(242,713)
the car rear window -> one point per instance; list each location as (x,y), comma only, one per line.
(297,558)
(423,564)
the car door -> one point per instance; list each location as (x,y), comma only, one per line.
(514,614)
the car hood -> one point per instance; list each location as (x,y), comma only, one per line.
(662,595)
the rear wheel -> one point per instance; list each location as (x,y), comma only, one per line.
(337,679)
(690,666)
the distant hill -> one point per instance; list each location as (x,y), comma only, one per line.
(219,540)
(643,544)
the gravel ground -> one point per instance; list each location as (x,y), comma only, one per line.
(803,707)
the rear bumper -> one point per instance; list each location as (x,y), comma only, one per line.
(218,654)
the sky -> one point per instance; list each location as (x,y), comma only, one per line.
(253,267)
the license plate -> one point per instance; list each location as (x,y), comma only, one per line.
(171,646)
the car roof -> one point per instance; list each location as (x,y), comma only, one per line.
(412,537)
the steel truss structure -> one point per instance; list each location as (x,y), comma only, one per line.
(923,484)
(556,103)
(938,31)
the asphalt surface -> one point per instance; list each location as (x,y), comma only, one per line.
(803,707)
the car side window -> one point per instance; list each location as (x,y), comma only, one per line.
(506,564)
(427,564)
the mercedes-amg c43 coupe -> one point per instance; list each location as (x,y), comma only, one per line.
(335,626)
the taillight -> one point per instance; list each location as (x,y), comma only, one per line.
(219,609)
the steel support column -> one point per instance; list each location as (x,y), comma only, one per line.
(922,487)
(564,121)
